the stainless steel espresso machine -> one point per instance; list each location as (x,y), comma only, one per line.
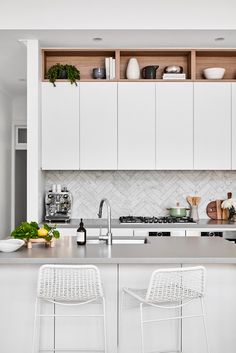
(58,203)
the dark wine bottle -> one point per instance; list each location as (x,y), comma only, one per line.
(81,234)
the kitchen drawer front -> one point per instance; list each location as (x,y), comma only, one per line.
(67,231)
(193,233)
(146,232)
(116,232)
(95,232)
(91,232)
(120,232)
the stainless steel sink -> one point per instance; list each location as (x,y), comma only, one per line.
(120,240)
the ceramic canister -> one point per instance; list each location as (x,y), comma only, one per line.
(133,70)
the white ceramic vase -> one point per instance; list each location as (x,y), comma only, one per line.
(133,70)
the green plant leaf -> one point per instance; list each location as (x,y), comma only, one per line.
(48,238)
(29,230)
(56,234)
(34,225)
(47,227)
(55,72)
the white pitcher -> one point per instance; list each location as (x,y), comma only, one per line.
(133,70)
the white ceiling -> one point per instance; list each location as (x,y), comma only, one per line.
(13,53)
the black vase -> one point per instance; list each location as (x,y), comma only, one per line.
(63,75)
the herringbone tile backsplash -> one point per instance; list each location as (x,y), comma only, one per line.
(141,192)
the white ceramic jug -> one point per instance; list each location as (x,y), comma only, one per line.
(133,70)
(194,212)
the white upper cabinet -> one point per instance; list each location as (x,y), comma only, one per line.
(136,125)
(98,125)
(212,126)
(233,126)
(60,126)
(174,126)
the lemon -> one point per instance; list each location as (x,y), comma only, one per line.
(42,232)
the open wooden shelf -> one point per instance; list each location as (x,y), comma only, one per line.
(216,58)
(193,62)
(162,58)
(83,60)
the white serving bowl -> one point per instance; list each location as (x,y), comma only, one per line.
(214,73)
(10,245)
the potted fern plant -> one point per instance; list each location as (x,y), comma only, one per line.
(59,71)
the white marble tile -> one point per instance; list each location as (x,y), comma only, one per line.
(141,192)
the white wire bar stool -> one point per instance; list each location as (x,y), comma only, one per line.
(172,289)
(68,285)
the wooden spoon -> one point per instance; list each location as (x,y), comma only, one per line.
(194,200)
(190,200)
(197,200)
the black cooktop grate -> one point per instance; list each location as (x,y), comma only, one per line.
(165,219)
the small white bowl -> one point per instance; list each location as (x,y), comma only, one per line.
(10,245)
(214,73)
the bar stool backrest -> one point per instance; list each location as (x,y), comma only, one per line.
(176,285)
(69,283)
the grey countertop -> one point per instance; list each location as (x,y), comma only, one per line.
(202,224)
(172,250)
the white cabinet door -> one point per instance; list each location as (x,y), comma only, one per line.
(233,126)
(98,125)
(60,126)
(18,293)
(136,125)
(220,309)
(212,125)
(174,136)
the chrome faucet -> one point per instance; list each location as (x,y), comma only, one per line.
(108,236)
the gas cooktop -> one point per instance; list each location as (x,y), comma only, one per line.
(166,219)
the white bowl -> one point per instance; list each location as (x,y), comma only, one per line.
(10,245)
(214,73)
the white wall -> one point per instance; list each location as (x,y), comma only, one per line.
(35,181)
(19,109)
(118,14)
(5,163)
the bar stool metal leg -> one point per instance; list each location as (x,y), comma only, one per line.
(141,325)
(205,324)
(35,345)
(104,325)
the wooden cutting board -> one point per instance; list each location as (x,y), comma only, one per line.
(214,210)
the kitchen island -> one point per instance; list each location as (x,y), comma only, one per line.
(122,266)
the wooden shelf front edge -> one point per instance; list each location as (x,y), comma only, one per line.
(143,80)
